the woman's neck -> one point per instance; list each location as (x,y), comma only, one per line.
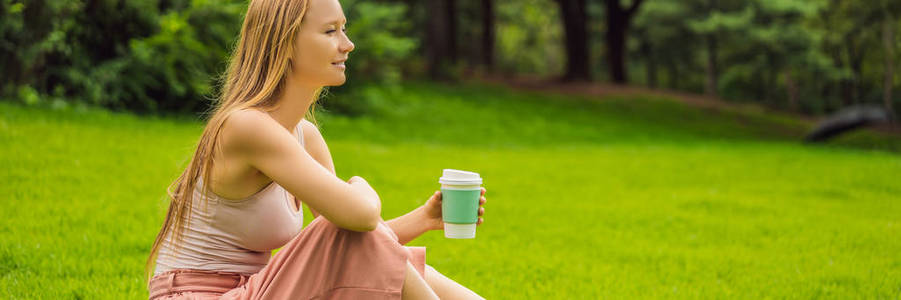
(293,103)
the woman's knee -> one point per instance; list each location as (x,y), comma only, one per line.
(322,223)
(429,269)
(382,231)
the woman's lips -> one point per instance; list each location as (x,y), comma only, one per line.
(340,65)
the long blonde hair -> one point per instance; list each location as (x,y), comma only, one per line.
(256,75)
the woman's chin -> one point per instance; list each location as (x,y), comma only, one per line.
(339,82)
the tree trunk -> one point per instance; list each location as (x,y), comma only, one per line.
(576,36)
(771,78)
(488,34)
(712,72)
(673,71)
(615,38)
(618,20)
(792,88)
(887,40)
(616,45)
(844,88)
(855,61)
(650,64)
(440,45)
(451,8)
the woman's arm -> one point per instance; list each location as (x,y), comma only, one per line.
(264,144)
(318,149)
(407,227)
(413,224)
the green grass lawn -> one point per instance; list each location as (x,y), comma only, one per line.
(614,198)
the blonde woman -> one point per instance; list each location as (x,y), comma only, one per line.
(258,158)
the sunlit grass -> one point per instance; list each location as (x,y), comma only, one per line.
(618,198)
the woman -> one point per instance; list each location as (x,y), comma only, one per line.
(259,152)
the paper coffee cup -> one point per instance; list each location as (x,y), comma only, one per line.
(460,193)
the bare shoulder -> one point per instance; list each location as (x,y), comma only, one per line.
(252,131)
(315,144)
(310,131)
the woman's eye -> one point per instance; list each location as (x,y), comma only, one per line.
(332,30)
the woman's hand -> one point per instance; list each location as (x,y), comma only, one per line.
(425,218)
(432,210)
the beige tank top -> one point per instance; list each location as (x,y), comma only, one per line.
(234,235)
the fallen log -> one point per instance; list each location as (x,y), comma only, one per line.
(846,120)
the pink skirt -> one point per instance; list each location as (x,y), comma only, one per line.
(322,262)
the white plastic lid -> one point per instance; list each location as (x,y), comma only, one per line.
(459,231)
(457,177)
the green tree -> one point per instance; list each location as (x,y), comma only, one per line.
(529,38)
(662,41)
(64,48)
(716,25)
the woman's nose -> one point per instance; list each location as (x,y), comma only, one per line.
(347,46)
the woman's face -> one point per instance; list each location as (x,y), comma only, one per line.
(322,45)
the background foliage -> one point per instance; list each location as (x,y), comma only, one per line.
(155,56)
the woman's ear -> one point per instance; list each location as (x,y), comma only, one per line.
(290,58)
